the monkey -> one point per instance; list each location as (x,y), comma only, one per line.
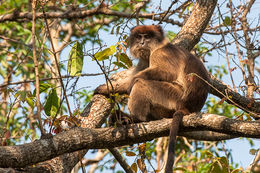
(168,82)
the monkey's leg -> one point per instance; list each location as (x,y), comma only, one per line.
(147,93)
(138,103)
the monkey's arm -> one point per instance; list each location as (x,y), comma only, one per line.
(119,86)
(157,73)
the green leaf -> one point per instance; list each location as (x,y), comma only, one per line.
(112,30)
(208,153)
(43,87)
(119,64)
(112,49)
(220,165)
(76,57)
(227,21)
(22,94)
(237,170)
(117,30)
(30,102)
(216,167)
(52,103)
(224,161)
(104,54)
(125,59)
(180,169)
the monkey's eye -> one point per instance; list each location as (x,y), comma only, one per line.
(148,36)
(138,37)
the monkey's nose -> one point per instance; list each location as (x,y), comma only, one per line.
(142,44)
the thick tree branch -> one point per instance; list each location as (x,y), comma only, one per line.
(85,138)
(222,124)
(192,30)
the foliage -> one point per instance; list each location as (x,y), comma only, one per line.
(75,63)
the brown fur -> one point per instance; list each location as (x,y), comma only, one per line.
(161,86)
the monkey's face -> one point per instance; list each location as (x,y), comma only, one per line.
(141,45)
(144,39)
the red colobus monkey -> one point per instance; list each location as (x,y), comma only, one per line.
(163,84)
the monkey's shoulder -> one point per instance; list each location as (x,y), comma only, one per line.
(168,47)
(170,51)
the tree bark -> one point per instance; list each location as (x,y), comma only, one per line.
(87,138)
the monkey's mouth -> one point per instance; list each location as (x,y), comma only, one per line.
(144,53)
(144,50)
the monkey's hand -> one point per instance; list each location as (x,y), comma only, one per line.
(117,87)
(101,89)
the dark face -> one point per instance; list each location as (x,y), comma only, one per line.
(144,39)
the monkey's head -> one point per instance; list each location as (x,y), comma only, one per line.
(144,39)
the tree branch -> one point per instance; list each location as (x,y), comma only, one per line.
(121,160)
(86,138)
(192,30)
(79,13)
(244,103)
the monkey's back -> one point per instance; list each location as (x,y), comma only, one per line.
(197,79)
(191,74)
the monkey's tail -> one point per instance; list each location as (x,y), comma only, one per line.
(177,118)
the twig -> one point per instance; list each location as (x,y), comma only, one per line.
(251,63)
(141,164)
(233,27)
(15,41)
(255,161)
(121,160)
(226,154)
(35,60)
(167,12)
(82,14)
(226,52)
(159,152)
(137,9)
